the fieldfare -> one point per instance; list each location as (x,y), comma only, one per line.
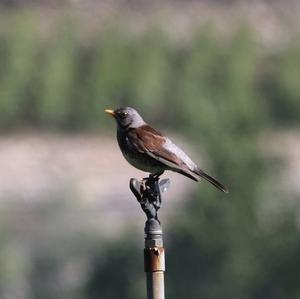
(147,149)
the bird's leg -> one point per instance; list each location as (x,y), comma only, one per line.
(153,176)
(156,175)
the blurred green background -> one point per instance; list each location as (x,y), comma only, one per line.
(223,74)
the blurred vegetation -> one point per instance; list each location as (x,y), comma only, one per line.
(221,92)
(56,77)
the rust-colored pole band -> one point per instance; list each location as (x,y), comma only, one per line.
(154,265)
(154,259)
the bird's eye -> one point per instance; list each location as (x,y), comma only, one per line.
(123,114)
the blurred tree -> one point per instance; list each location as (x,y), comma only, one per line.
(20,45)
(117,273)
(277,81)
(58,78)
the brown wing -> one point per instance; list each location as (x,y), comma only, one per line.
(152,142)
(147,140)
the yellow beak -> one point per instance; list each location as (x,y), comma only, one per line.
(110,112)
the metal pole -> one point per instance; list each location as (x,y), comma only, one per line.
(148,194)
(154,260)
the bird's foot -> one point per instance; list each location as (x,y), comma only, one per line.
(155,176)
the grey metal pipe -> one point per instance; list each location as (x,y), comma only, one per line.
(154,260)
(155,285)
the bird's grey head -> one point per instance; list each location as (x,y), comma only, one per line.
(126,118)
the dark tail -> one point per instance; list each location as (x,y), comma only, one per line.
(212,180)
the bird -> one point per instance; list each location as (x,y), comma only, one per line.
(149,150)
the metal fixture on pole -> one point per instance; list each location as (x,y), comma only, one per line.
(148,193)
